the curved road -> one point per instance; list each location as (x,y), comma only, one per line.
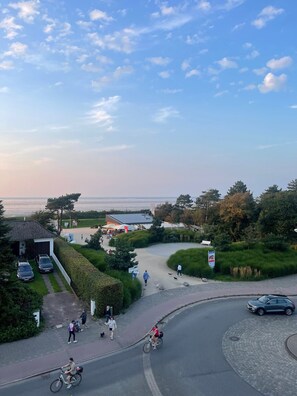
(191,362)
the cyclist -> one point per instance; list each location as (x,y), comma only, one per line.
(154,336)
(70,370)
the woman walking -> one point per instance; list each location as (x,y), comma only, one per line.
(112,326)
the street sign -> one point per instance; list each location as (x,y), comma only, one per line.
(211,258)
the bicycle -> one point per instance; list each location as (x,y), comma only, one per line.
(75,380)
(148,345)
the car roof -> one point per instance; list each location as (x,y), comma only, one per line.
(277,295)
(20,263)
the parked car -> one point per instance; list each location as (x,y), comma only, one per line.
(271,303)
(44,263)
(25,271)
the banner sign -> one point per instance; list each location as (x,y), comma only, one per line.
(211,258)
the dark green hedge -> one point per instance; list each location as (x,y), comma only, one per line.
(132,287)
(87,281)
(194,262)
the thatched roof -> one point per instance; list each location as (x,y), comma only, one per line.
(26,230)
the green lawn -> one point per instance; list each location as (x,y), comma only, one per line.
(87,222)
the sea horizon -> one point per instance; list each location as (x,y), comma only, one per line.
(26,206)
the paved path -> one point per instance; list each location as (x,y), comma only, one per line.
(47,351)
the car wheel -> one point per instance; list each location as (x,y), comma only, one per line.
(288,311)
(260,312)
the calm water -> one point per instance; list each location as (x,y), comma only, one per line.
(27,206)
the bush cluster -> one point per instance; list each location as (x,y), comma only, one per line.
(87,281)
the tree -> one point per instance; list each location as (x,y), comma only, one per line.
(95,241)
(206,201)
(163,211)
(184,202)
(45,218)
(122,257)
(156,231)
(237,211)
(238,187)
(292,186)
(61,204)
(6,256)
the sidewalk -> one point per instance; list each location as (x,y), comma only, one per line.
(25,358)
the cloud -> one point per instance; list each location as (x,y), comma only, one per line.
(171,91)
(160,61)
(16,50)
(164,114)
(293,106)
(6,65)
(193,72)
(118,73)
(43,160)
(281,63)
(254,54)
(261,71)
(122,41)
(110,149)
(101,113)
(204,5)
(4,90)
(272,83)
(238,26)
(27,10)
(226,63)
(230,4)
(165,74)
(98,15)
(250,87)
(221,93)
(267,14)
(185,65)
(10,27)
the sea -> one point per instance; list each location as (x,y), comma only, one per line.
(18,207)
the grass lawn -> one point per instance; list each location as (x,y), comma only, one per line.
(87,222)
(54,283)
(38,284)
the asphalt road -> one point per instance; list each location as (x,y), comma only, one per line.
(191,361)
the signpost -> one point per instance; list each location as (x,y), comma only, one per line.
(211,258)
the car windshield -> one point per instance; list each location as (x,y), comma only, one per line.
(263,299)
(25,268)
(45,261)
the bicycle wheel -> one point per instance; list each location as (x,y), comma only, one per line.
(56,385)
(159,343)
(147,347)
(77,378)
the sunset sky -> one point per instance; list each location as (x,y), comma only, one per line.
(148,97)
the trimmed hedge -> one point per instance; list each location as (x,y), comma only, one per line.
(132,287)
(194,262)
(87,281)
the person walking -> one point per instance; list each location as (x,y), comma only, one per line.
(107,313)
(145,277)
(112,326)
(179,270)
(83,318)
(71,331)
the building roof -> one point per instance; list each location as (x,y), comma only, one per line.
(26,230)
(130,218)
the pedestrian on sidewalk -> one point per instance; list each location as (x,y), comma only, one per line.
(112,326)
(83,318)
(145,277)
(71,331)
(179,270)
(107,313)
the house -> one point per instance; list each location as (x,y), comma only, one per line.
(29,238)
(141,220)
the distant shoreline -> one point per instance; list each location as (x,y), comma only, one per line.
(26,206)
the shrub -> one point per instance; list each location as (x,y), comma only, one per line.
(97,258)
(275,242)
(132,287)
(87,281)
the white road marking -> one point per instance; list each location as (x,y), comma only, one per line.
(149,376)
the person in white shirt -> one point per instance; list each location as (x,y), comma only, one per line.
(179,270)
(112,326)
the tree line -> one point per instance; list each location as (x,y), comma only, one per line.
(238,215)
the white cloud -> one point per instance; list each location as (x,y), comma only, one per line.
(250,87)
(16,50)
(10,27)
(261,71)
(281,63)
(193,72)
(247,45)
(293,106)
(110,149)
(238,26)
(101,113)
(6,65)
(164,114)
(195,39)
(221,93)
(167,10)
(160,61)
(164,74)
(90,68)
(122,41)
(98,15)
(272,83)
(27,10)
(230,4)
(254,54)
(185,65)
(4,90)
(226,63)
(171,91)
(267,14)
(204,5)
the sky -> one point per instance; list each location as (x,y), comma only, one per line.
(148,97)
